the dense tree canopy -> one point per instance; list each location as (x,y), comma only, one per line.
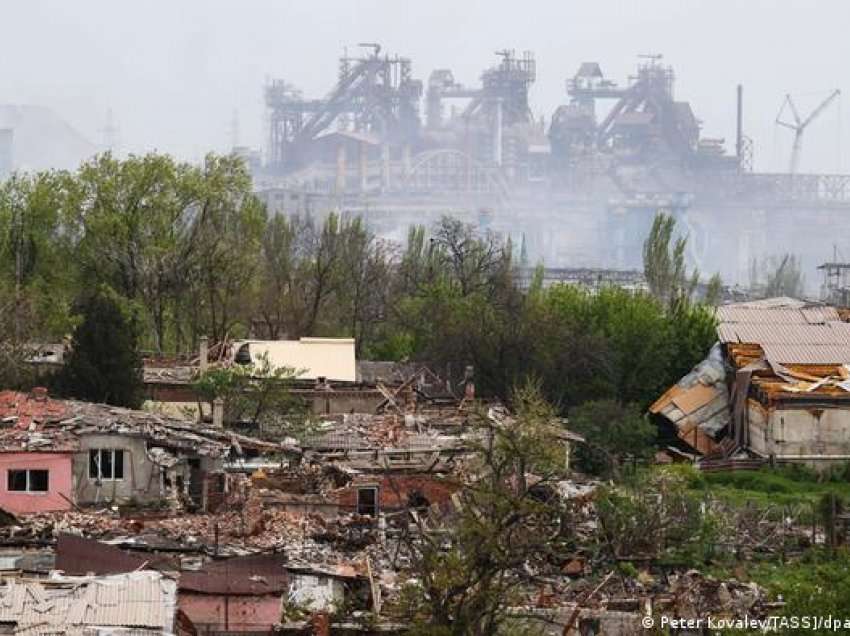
(190,251)
(103,364)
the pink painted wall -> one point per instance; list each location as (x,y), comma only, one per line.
(245,613)
(59,465)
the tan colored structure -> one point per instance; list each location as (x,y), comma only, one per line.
(312,358)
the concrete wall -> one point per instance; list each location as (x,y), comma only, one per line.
(316,592)
(394,490)
(811,434)
(180,400)
(143,479)
(760,440)
(217,612)
(331,402)
(59,481)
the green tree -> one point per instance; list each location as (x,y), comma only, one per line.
(614,432)
(103,364)
(222,247)
(714,291)
(656,516)
(37,270)
(258,395)
(280,303)
(693,331)
(130,218)
(664,262)
(783,277)
(469,569)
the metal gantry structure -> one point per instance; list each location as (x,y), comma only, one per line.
(373,94)
(631,140)
(799,124)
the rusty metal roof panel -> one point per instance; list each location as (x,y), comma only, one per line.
(82,556)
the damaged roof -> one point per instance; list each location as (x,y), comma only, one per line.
(794,348)
(67,605)
(252,575)
(698,404)
(82,556)
(788,331)
(35,422)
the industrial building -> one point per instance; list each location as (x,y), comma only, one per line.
(580,189)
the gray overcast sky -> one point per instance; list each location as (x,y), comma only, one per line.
(174,72)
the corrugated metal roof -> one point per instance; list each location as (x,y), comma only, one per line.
(139,599)
(789,353)
(777,302)
(788,331)
(763,333)
(780,316)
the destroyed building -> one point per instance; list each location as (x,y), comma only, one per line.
(776,387)
(327,377)
(57,454)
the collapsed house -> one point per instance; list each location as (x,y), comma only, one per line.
(299,536)
(238,594)
(327,379)
(59,454)
(776,387)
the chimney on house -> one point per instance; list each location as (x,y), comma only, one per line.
(469,383)
(218,413)
(320,624)
(204,353)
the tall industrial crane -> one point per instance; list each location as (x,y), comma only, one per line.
(798,125)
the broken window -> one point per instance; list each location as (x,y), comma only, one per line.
(417,501)
(106,463)
(28,480)
(367,501)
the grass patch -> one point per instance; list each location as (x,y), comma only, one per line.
(814,585)
(782,486)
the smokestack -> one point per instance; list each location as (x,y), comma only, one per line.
(406,160)
(320,624)
(218,413)
(204,353)
(340,169)
(385,165)
(739,132)
(497,135)
(6,138)
(364,167)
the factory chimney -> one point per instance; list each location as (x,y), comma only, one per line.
(739,132)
